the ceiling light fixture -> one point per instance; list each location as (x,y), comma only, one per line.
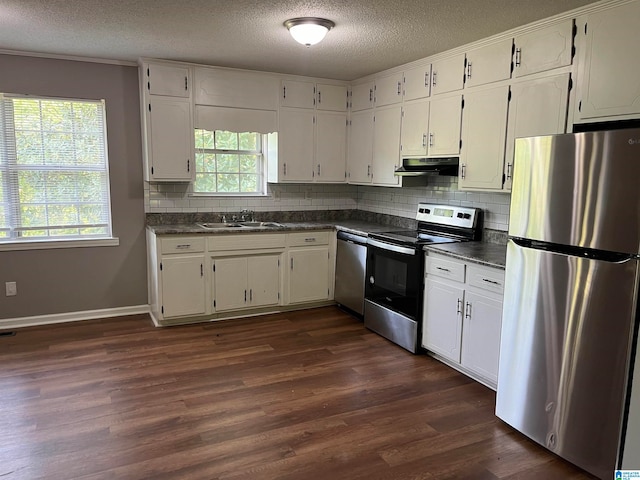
(308,30)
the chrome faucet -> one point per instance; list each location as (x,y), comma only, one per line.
(246,215)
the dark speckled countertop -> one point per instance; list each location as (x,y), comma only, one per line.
(483,253)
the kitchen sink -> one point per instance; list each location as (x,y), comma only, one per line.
(215,226)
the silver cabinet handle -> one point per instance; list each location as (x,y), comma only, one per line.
(285,168)
(318,169)
(309,239)
(368,170)
(518,56)
(469,70)
(462,170)
(251,295)
(493,282)
(426,79)
(467,311)
(459,310)
(319,97)
(292,264)
(245,295)
(399,88)
(508,171)
(284,91)
(443,269)
(370,95)
(201,270)
(430,139)
(424,139)
(434,75)
(183,246)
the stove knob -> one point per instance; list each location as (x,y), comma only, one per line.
(467,216)
(460,215)
(371,280)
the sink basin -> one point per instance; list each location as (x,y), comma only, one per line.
(260,224)
(212,226)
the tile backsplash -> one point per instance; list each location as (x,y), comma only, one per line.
(403,202)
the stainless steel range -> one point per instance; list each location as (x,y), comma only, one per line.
(395,264)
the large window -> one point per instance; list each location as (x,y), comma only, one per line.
(228,162)
(54,181)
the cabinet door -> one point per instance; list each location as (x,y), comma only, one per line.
(610,76)
(361,96)
(442,317)
(447,75)
(537,107)
(360,146)
(417,83)
(182,280)
(444,125)
(388,90)
(168,80)
(263,272)
(484,128)
(415,128)
(332,97)
(386,145)
(544,49)
(295,144)
(489,64)
(230,283)
(170,139)
(308,274)
(297,94)
(481,339)
(331,147)
(239,89)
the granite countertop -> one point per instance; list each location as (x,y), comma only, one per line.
(483,253)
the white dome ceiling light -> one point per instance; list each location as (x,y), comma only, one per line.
(308,30)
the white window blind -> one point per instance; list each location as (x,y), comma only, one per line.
(54,178)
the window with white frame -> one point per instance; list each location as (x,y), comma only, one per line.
(229,162)
(54,178)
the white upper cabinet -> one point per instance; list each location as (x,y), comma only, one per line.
(537,107)
(297,94)
(415,129)
(544,49)
(388,90)
(484,125)
(238,89)
(331,147)
(360,147)
(490,63)
(444,125)
(416,82)
(386,145)
(168,80)
(295,145)
(331,97)
(361,96)
(447,75)
(609,74)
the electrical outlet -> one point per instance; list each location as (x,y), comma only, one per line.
(11,289)
(308,194)
(277,195)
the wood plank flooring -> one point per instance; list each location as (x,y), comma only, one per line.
(304,395)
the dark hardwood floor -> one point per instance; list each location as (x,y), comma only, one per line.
(304,395)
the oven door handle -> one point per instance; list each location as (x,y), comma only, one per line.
(393,248)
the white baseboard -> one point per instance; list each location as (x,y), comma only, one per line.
(6,323)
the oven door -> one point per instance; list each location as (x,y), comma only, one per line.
(394,277)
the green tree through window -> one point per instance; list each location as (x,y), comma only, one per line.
(228,162)
(54,181)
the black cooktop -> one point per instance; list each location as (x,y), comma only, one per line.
(412,237)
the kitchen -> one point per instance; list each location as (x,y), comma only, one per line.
(120,276)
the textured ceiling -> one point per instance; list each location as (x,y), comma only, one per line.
(370,35)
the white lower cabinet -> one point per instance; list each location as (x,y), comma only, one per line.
(246,282)
(310,267)
(462,315)
(204,277)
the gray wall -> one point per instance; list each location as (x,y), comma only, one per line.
(77,279)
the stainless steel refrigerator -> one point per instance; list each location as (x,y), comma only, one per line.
(571,285)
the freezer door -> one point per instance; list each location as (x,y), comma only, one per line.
(578,189)
(566,336)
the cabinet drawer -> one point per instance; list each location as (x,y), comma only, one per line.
(259,241)
(441,267)
(485,278)
(307,238)
(182,245)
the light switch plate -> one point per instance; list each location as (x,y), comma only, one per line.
(11,289)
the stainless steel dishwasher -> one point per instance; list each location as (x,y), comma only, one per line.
(351,259)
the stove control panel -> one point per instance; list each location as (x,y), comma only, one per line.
(450,215)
